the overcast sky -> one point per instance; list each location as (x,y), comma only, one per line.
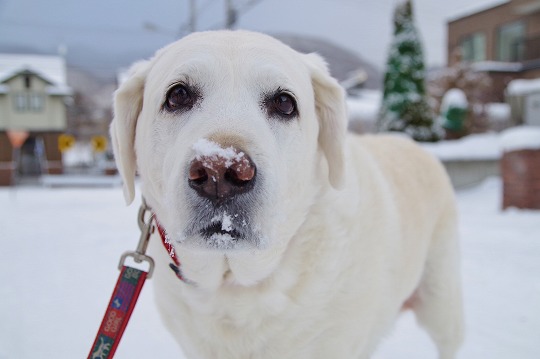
(109,32)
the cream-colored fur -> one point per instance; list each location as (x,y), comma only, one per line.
(346,229)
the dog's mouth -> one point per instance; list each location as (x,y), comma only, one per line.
(219,229)
(229,226)
(224,231)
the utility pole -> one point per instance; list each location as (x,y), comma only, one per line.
(232,15)
(192,15)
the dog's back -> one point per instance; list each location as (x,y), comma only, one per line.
(427,224)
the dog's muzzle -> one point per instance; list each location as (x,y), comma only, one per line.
(222,183)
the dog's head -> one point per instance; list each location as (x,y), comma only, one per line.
(233,135)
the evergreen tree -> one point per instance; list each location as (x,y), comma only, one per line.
(404,105)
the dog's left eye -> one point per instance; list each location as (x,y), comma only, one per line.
(179,97)
(282,104)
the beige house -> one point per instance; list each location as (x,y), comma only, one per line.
(33,93)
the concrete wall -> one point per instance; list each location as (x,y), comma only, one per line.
(469,173)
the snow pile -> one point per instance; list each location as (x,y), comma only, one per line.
(454,98)
(521,138)
(484,146)
(522,87)
(81,154)
(498,112)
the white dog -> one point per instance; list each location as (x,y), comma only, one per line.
(295,240)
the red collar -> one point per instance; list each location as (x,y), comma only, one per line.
(175,266)
(166,242)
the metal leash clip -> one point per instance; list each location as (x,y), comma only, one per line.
(139,255)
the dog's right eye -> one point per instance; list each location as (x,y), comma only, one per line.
(179,97)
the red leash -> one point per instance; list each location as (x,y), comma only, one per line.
(125,294)
(129,286)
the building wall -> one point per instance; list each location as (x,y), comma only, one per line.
(50,114)
(52,161)
(532,74)
(489,21)
(27,106)
(4,107)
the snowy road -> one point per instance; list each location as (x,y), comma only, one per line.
(60,247)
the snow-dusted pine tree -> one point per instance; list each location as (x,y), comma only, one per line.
(404,106)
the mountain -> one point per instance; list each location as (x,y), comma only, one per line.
(342,62)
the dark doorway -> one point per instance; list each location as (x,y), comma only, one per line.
(30,157)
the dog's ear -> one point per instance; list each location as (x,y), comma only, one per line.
(128,100)
(332,116)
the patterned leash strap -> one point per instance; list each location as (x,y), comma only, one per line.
(125,294)
(123,300)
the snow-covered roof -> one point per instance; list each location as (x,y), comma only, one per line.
(476,8)
(51,68)
(523,87)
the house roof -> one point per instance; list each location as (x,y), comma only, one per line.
(478,8)
(52,69)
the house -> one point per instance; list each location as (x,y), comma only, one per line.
(33,93)
(502,41)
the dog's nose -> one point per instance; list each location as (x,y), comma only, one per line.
(219,178)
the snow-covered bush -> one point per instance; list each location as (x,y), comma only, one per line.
(475,85)
(454,109)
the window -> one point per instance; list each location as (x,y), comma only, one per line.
(473,47)
(36,102)
(510,41)
(29,101)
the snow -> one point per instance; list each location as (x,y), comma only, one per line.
(81,154)
(80,181)
(454,98)
(52,68)
(498,112)
(521,138)
(521,87)
(485,146)
(60,248)
(475,8)
(211,150)
(497,66)
(226,221)
(363,110)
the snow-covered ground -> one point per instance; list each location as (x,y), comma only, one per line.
(60,247)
